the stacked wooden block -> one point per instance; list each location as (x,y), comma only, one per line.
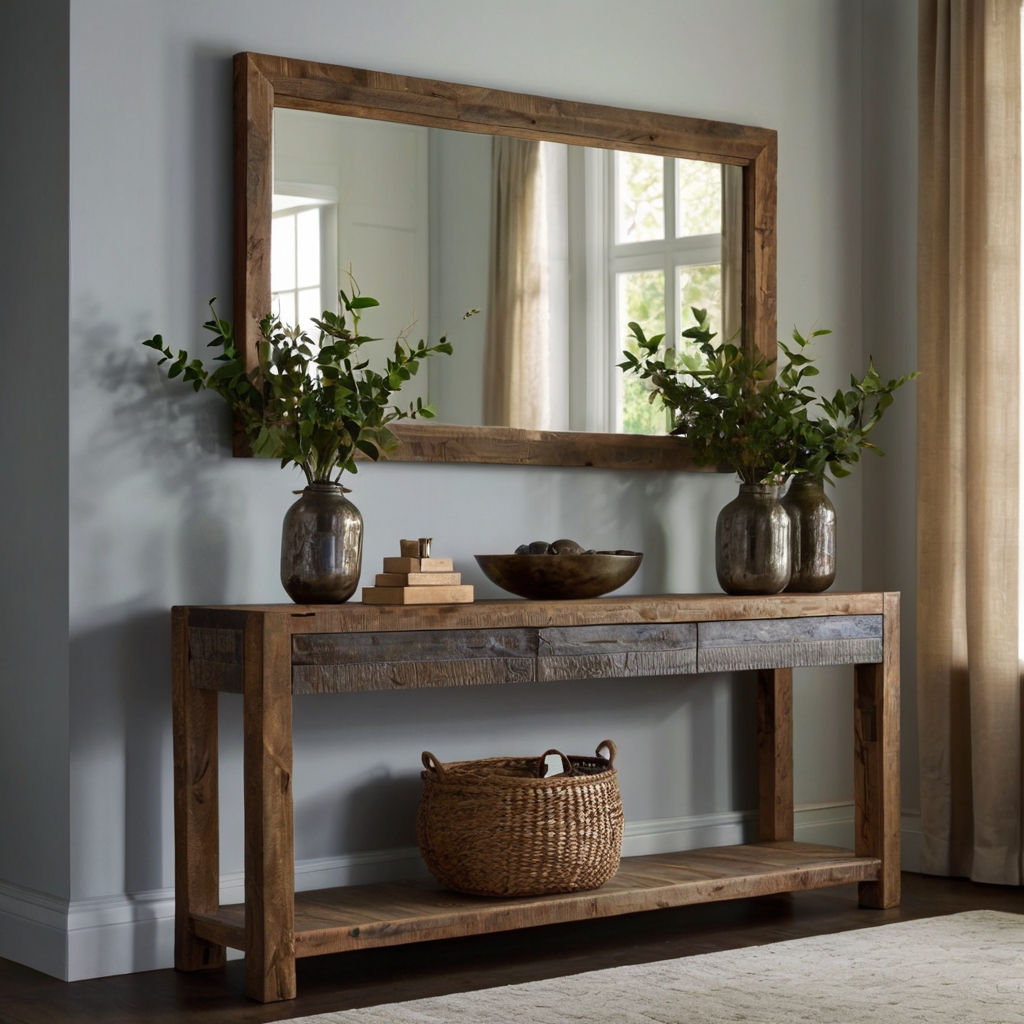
(417,578)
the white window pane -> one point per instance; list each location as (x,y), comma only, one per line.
(698,198)
(700,287)
(282,253)
(284,306)
(640,296)
(307,249)
(309,307)
(639,197)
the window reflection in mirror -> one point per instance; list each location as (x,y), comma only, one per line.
(560,247)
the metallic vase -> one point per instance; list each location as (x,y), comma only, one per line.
(321,546)
(813,539)
(752,553)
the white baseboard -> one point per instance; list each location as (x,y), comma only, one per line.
(101,936)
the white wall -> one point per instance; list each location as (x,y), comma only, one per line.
(160,514)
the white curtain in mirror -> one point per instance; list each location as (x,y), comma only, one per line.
(516,377)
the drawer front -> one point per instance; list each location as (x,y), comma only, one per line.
(601,652)
(342,662)
(785,643)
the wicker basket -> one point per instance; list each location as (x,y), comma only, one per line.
(497,827)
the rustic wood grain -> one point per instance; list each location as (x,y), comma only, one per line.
(196,827)
(216,656)
(359,917)
(415,645)
(514,446)
(788,643)
(775,753)
(269,823)
(253,201)
(601,652)
(411,675)
(349,662)
(514,613)
(760,198)
(877,764)
(263,81)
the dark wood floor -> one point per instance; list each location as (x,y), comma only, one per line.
(436,968)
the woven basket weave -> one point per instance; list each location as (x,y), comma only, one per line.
(497,827)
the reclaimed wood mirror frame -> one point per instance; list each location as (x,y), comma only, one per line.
(263,82)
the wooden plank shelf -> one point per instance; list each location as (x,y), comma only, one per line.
(391,913)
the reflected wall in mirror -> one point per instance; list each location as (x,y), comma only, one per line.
(561,221)
(560,246)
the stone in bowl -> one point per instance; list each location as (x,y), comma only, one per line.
(561,577)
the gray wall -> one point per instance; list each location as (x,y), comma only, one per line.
(890,328)
(34,440)
(160,514)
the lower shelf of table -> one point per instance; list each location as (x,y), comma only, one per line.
(390,913)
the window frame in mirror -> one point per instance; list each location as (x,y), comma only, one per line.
(263,82)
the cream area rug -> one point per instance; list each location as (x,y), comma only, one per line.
(964,968)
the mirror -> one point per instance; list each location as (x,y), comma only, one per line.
(560,221)
(560,246)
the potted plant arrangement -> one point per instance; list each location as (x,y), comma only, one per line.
(770,430)
(313,404)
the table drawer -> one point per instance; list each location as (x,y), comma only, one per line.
(788,643)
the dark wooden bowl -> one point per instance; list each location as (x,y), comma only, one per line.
(560,577)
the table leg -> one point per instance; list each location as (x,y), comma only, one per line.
(269,824)
(775,753)
(196,825)
(877,762)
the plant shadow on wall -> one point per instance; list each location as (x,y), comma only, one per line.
(772,430)
(141,435)
(314,405)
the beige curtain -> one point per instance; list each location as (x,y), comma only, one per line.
(732,250)
(516,387)
(969,681)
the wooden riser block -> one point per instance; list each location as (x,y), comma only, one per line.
(418,565)
(418,595)
(419,579)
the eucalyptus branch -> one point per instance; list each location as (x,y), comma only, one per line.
(726,405)
(310,403)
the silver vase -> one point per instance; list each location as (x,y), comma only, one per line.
(321,546)
(812,519)
(752,553)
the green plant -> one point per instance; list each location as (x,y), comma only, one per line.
(732,412)
(314,404)
(824,446)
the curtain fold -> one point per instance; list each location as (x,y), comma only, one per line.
(969,678)
(516,359)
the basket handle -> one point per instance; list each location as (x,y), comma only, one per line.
(432,764)
(542,767)
(612,751)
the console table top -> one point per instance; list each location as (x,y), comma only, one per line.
(641,608)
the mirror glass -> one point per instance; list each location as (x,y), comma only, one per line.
(559,246)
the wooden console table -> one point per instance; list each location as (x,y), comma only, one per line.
(269,653)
